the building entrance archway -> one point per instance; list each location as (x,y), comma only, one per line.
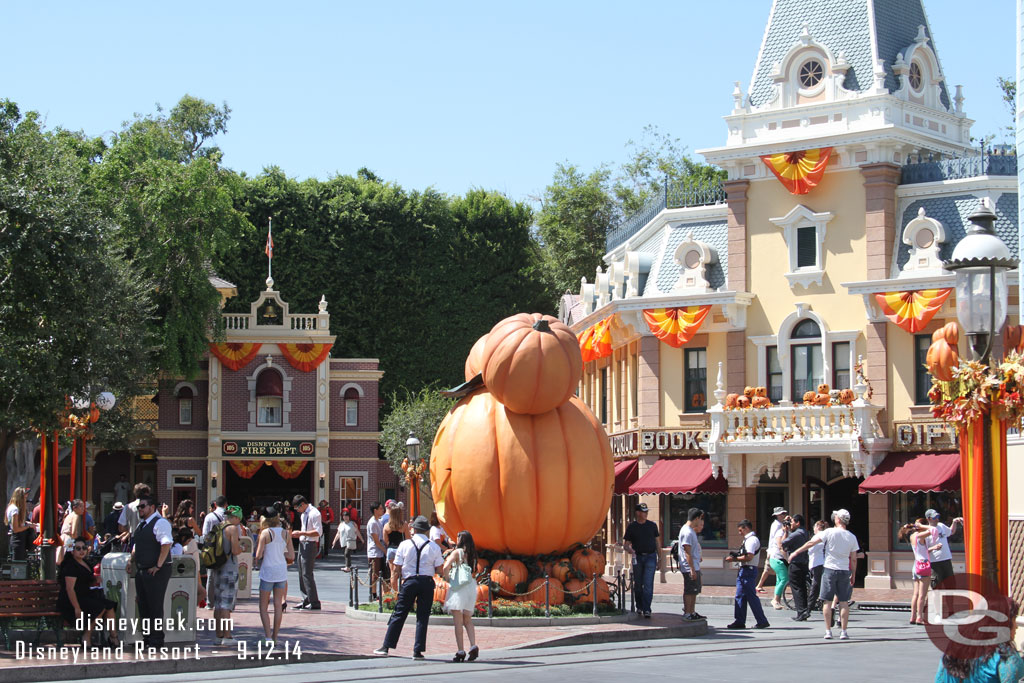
(265,487)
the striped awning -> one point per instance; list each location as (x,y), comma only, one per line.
(914,473)
(680,475)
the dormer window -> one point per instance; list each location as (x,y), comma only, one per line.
(804,233)
(806,247)
(811,73)
(269,398)
(915,76)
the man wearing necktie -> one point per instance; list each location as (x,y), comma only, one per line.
(309,532)
(151,546)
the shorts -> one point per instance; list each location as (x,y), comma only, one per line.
(941,570)
(835,583)
(691,586)
(267,586)
(223,587)
(391,554)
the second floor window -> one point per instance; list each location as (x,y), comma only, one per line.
(774,374)
(841,366)
(805,359)
(696,375)
(185,406)
(269,398)
(351,407)
(604,396)
(922,380)
(807,247)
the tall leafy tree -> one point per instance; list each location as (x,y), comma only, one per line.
(161,181)
(421,413)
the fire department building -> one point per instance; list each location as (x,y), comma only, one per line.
(815,272)
(271,415)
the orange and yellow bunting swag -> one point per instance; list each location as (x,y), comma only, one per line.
(233,355)
(289,469)
(246,468)
(596,341)
(305,357)
(676,326)
(800,171)
(912,310)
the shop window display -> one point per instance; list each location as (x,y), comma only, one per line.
(676,506)
(906,507)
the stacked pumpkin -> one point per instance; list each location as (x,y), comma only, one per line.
(942,356)
(520,462)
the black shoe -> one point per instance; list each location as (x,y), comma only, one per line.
(647,615)
(474,652)
(460,656)
(302,605)
(763,624)
(697,616)
(309,608)
(381,652)
(736,626)
(418,656)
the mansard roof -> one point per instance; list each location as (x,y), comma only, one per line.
(863,30)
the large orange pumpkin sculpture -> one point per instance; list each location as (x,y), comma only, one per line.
(521,484)
(531,363)
(508,574)
(474,361)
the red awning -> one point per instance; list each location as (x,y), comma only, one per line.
(680,475)
(269,383)
(915,472)
(625,475)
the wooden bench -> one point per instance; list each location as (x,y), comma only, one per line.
(28,601)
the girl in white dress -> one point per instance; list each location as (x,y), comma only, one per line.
(458,570)
(274,553)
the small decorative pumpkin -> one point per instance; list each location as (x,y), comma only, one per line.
(583,595)
(483,591)
(508,574)
(761,391)
(950,332)
(482,565)
(760,402)
(809,397)
(531,363)
(822,399)
(588,562)
(748,392)
(823,389)
(559,569)
(941,359)
(440,589)
(556,591)
(1013,338)
(697,401)
(730,400)
(742,402)
(474,361)
(846,396)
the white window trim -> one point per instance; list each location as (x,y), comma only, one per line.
(351,474)
(262,424)
(351,385)
(286,390)
(800,217)
(198,474)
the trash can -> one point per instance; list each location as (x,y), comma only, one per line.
(119,585)
(180,600)
(244,560)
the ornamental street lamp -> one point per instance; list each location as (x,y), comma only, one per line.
(413,468)
(980,262)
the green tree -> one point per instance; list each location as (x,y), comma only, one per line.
(73,313)
(420,413)
(1008,87)
(163,185)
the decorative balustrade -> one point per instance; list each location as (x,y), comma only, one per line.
(236,321)
(673,196)
(303,322)
(930,170)
(795,424)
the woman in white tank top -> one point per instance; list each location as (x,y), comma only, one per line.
(274,553)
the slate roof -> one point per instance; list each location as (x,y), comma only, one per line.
(841,26)
(953,212)
(714,234)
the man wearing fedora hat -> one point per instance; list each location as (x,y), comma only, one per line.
(418,559)
(779,513)
(641,539)
(110,521)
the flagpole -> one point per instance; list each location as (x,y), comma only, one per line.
(270,255)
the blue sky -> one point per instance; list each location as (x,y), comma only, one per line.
(449,94)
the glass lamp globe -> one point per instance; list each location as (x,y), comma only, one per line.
(105,401)
(412,448)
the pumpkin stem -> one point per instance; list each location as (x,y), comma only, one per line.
(542,326)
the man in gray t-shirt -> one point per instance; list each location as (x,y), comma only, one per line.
(689,561)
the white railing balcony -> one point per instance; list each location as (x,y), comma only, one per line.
(238,321)
(795,426)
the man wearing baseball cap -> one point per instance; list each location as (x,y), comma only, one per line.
(941,555)
(418,559)
(641,539)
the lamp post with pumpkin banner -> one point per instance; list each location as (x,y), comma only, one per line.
(980,397)
(413,468)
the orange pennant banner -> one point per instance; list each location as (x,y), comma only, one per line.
(289,469)
(234,355)
(246,468)
(305,357)
(800,172)
(912,311)
(676,326)
(596,341)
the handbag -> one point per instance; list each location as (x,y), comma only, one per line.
(923,567)
(460,574)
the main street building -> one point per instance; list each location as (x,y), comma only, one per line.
(813,272)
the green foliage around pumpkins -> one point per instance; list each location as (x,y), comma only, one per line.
(509,608)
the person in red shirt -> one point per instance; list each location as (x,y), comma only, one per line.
(326,519)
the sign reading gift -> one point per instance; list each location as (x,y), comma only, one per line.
(924,436)
(268,449)
(659,441)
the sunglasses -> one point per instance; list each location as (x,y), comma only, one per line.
(80,547)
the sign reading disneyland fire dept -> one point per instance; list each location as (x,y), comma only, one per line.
(659,442)
(923,435)
(268,449)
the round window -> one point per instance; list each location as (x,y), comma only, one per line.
(811,73)
(924,239)
(692,258)
(915,76)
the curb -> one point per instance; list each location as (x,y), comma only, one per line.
(510,622)
(690,630)
(70,672)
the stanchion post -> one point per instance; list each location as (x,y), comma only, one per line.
(547,595)
(593,591)
(490,599)
(351,577)
(632,593)
(380,593)
(355,588)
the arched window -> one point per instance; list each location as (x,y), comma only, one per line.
(351,407)
(269,398)
(806,358)
(185,406)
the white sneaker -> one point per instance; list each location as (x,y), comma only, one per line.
(218,641)
(843,635)
(828,634)
(229,642)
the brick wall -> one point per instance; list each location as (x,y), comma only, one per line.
(342,364)
(369,404)
(360,456)
(168,406)
(172,456)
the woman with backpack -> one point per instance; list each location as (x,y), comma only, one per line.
(458,571)
(224,572)
(274,553)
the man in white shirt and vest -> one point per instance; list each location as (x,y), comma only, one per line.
(129,519)
(746,578)
(309,532)
(418,559)
(151,549)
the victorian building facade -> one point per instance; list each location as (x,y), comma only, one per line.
(814,273)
